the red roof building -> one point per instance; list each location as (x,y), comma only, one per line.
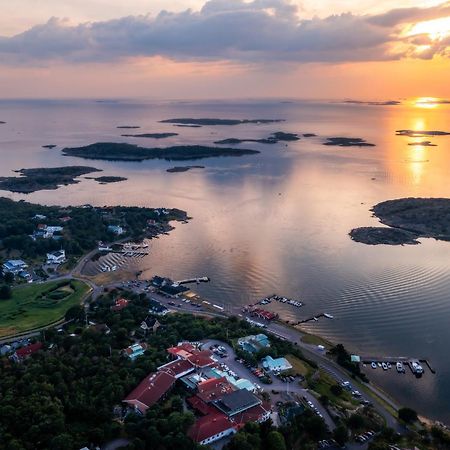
(199,358)
(259,414)
(213,389)
(211,428)
(150,391)
(183,350)
(27,351)
(120,304)
(177,368)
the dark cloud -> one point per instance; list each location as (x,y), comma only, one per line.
(257,31)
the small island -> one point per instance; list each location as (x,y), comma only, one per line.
(188,126)
(407,220)
(423,144)
(203,121)
(308,135)
(37,179)
(272,139)
(1,122)
(178,169)
(151,135)
(347,142)
(50,146)
(415,133)
(109,179)
(112,151)
(128,127)
(383,103)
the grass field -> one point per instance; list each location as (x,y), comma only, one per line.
(36,305)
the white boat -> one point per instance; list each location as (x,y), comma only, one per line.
(379,364)
(388,365)
(384,366)
(400,367)
(328,316)
(315,319)
(416,368)
(374,365)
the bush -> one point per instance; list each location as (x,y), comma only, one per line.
(408,415)
(5,292)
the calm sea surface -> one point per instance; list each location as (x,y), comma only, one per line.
(277,221)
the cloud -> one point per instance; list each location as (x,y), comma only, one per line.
(261,31)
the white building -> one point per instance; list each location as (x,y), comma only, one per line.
(14,266)
(57,257)
(116,229)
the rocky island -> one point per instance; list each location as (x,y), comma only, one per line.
(347,142)
(415,133)
(128,127)
(191,121)
(151,135)
(50,146)
(112,151)
(1,122)
(407,220)
(272,139)
(178,169)
(37,179)
(423,144)
(109,179)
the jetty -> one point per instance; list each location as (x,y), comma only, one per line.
(197,280)
(414,364)
(281,299)
(314,318)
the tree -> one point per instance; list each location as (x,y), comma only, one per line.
(356,422)
(336,390)
(340,435)
(275,441)
(408,415)
(8,277)
(5,292)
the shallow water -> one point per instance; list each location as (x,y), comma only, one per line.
(278,221)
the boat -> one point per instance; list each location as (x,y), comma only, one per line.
(374,365)
(384,366)
(416,368)
(379,364)
(400,367)
(328,316)
(315,319)
(388,365)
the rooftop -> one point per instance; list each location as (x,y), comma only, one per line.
(237,401)
(209,426)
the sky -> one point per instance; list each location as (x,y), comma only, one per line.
(369,49)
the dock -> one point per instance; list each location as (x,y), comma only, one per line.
(407,361)
(197,280)
(314,318)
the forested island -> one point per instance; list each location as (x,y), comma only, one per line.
(151,135)
(272,139)
(49,146)
(423,144)
(407,220)
(36,179)
(128,127)
(347,142)
(112,151)
(206,121)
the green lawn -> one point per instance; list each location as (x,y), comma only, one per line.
(36,305)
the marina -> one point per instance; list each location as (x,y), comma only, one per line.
(280,299)
(416,365)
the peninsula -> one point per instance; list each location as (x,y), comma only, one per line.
(347,142)
(37,179)
(203,121)
(272,139)
(407,220)
(151,135)
(112,151)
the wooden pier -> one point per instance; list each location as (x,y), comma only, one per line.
(408,361)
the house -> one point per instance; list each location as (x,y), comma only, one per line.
(135,350)
(157,308)
(213,389)
(150,324)
(14,266)
(58,257)
(25,275)
(120,304)
(276,365)
(65,219)
(100,328)
(211,428)
(178,368)
(27,351)
(198,358)
(237,402)
(152,389)
(168,287)
(254,343)
(39,217)
(116,229)
(259,414)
